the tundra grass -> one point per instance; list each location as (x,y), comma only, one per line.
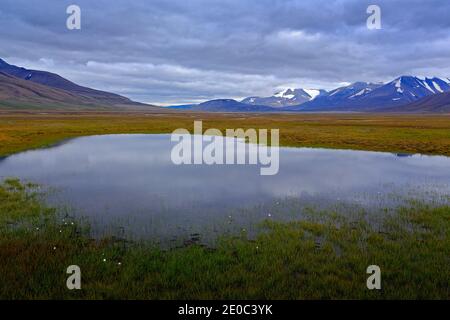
(299,260)
(427,134)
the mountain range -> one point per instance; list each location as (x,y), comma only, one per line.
(26,88)
(33,88)
(230,105)
(403,94)
(362,96)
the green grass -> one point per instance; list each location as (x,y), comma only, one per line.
(427,134)
(299,260)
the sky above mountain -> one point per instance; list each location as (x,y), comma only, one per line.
(178,51)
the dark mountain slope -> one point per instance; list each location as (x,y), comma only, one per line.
(13,88)
(18,93)
(55,81)
(438,103)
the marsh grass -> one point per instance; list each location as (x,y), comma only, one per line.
(427,134)
(322,258)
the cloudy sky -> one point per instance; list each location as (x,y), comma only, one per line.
(183,51)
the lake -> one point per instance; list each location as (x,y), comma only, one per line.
(127,185)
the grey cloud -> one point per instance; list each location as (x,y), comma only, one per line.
(173,51)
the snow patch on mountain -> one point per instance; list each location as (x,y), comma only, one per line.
(398,85)
(361,93)
(283,93)
(438,88)
(428,86)
(286,97)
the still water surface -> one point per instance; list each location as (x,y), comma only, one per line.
(128,184)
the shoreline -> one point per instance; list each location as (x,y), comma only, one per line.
(428,135)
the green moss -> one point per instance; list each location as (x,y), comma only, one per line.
(298,260)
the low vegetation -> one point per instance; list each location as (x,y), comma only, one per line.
(427,134)
(300,260)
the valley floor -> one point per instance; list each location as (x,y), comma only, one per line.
(427,134)
(308,259)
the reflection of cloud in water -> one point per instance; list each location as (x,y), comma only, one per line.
(131,178)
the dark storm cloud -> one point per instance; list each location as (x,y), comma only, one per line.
(172,51)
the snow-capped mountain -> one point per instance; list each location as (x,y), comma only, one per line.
(341,96)
(353,91)
(287,97)
(361,96)
(395,95)
(406,89)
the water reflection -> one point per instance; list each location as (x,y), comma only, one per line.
(129,180)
